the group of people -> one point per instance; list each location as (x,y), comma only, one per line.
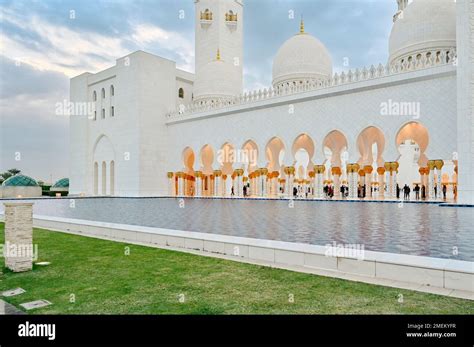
(417,189)
(300,192)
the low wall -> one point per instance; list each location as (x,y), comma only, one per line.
(435,272)
(20,191)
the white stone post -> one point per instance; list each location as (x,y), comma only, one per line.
(18,250)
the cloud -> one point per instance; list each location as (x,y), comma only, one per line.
(175,44)
(17,79)
(70,51)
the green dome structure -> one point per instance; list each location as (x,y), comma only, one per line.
(20,181)
(62,183)
(20,186)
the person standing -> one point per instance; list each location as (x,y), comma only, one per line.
(417,192)
(444,192)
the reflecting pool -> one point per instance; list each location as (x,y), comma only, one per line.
(415,229)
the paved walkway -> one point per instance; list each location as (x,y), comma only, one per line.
(6,308)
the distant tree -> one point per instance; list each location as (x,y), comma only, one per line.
(7,174)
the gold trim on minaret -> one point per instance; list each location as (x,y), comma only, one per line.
(218,57)
(302,26)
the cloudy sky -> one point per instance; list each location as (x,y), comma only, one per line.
(43,43)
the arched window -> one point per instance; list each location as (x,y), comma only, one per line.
(103,93)
(112,111)
(112,90)
(94,96)
(103,113)
(95,115)
(181,93)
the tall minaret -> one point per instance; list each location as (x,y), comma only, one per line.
(402,5)
(219,27)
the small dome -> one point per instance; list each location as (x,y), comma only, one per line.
(424,25)
(302,57)
(20,181)
(217,80)
(62,183)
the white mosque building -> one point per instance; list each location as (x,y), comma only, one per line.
(156,130)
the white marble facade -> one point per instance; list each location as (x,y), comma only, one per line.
(153,122)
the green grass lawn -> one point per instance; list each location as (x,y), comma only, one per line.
(104,280)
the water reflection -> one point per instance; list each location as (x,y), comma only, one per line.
(417,229)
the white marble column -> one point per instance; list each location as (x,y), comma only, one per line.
(439,166)
(431,180)
(224,186)
(291,180)
(217,183)
(240,186)
(198,183)
(336,175)
(180,176)
(171,190)
(368,180)
(381,188)
(263,181)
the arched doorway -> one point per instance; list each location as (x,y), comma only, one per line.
(274,153)
(188,164)
(207,160)
(412,142)
(303,152)
(226,159)
(371,144)
(335,148)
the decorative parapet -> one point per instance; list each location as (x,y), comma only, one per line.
(409,63)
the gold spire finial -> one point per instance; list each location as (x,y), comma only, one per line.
(218,57)
(302,26)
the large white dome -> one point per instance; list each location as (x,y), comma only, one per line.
(424,25)
(217,80)
(302,57)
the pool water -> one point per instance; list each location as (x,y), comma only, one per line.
(410,228)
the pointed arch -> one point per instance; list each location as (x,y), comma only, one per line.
(334,144)
(206,157)
(274,152)
(250,149)
(367,138)
(188,160)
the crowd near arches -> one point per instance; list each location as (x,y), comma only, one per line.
(332,168)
